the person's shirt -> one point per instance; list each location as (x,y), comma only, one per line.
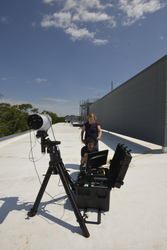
(91,130)
(85,150)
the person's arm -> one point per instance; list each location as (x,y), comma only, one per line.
(83,158)
(82,132)
(100,133)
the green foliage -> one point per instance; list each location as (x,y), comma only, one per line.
(61,119)
(13,119)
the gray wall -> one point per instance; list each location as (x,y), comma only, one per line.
(138,107)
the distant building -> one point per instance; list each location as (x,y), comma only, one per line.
(84,108)
(73,119)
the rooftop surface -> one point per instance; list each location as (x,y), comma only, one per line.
(137,218)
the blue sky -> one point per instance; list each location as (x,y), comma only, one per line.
(54,53)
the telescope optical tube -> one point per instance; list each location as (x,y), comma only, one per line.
(39,122)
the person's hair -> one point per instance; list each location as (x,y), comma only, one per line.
(91,116)
(89,140)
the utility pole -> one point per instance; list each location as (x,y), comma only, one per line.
(112,85)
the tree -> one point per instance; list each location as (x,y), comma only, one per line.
(13,119)
(4,119)
(20,116)
(34,111)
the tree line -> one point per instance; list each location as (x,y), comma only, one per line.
(13,119)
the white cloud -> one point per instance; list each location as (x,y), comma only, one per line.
(136,9)
(100,42)
(85,4)
(50,1)
(41,80)
(63,19)
(3,19)
(92,4)
(87,16)
(76,12)
(78,34)
(161,37)
(70,4)
(33,24)
(55,100)
(47,1)
(7,79)
(58,20)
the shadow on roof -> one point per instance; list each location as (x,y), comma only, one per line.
(13,203)
(112,140)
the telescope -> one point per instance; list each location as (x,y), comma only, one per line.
(40,122)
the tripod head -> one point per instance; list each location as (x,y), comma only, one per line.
(42,123)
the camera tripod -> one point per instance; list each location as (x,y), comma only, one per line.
(56,166)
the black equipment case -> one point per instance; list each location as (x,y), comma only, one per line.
(93,188)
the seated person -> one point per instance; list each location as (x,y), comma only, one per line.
(89,148)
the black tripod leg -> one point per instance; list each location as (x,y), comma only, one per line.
(69,179)
(78,215)
(34,209)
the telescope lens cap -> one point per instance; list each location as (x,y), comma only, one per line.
(35,121)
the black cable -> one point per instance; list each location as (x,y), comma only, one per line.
(31,152)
